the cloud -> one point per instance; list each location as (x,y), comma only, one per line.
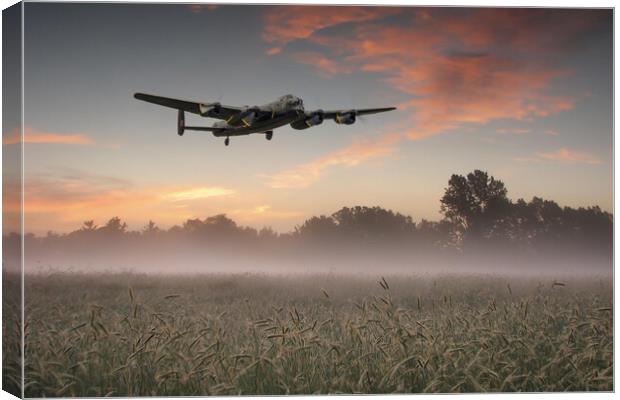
(565,155)
(306,174)
(459,67)
(552,132)
(34,136)
(264,213)
(64,198)
(512,131)
(273,51)
(67,188)
(90,192)
(285,24)
(197,193)
(450,90)
(325,66)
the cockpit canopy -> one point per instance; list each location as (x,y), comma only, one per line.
(293,101)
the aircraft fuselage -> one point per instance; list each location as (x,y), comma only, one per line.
(273,115)
(269,124)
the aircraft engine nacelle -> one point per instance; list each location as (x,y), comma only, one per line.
(211,109)
(249,116)
(313,119)
(345,118)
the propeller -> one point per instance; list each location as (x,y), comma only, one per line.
(358,118)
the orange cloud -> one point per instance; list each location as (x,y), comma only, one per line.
(565,155)
(454,89)
(469,66)
(463,67)
(512,131)
(39,137)
(197,193)
(273,51)
(326,67)
(284,24)
(63,199)
(306,174)
(264,213)
(75,197)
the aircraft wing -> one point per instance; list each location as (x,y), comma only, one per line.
(212,110)
(361,111)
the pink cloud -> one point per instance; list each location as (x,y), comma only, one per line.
(284,24)
(459,68)
(569,156)
(326,67)
(62,199)
(264,212)
(359,152)
(39,137)
(512,131)
(273,51)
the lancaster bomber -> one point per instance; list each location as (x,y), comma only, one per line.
(245,120)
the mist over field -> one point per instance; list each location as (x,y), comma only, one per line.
(482,231)
(286,256)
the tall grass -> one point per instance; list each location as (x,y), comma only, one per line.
(139,335)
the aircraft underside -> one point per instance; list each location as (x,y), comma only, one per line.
(258,127)
(262,127)
(239,132)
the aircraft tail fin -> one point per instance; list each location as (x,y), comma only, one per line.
(181,123)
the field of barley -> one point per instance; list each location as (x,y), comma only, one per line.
(139,335)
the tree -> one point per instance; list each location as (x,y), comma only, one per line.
(477,206)
(150,229)
(372,222)
(89,225)
(114,227)
(217,228)
(267,233)
(317,227)
(221,222)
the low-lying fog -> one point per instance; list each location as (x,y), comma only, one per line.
(293,258)
(482,231)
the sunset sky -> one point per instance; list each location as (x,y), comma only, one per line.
(523,94)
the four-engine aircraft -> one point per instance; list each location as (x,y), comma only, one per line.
(238,121)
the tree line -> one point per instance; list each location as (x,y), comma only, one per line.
(476,215)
